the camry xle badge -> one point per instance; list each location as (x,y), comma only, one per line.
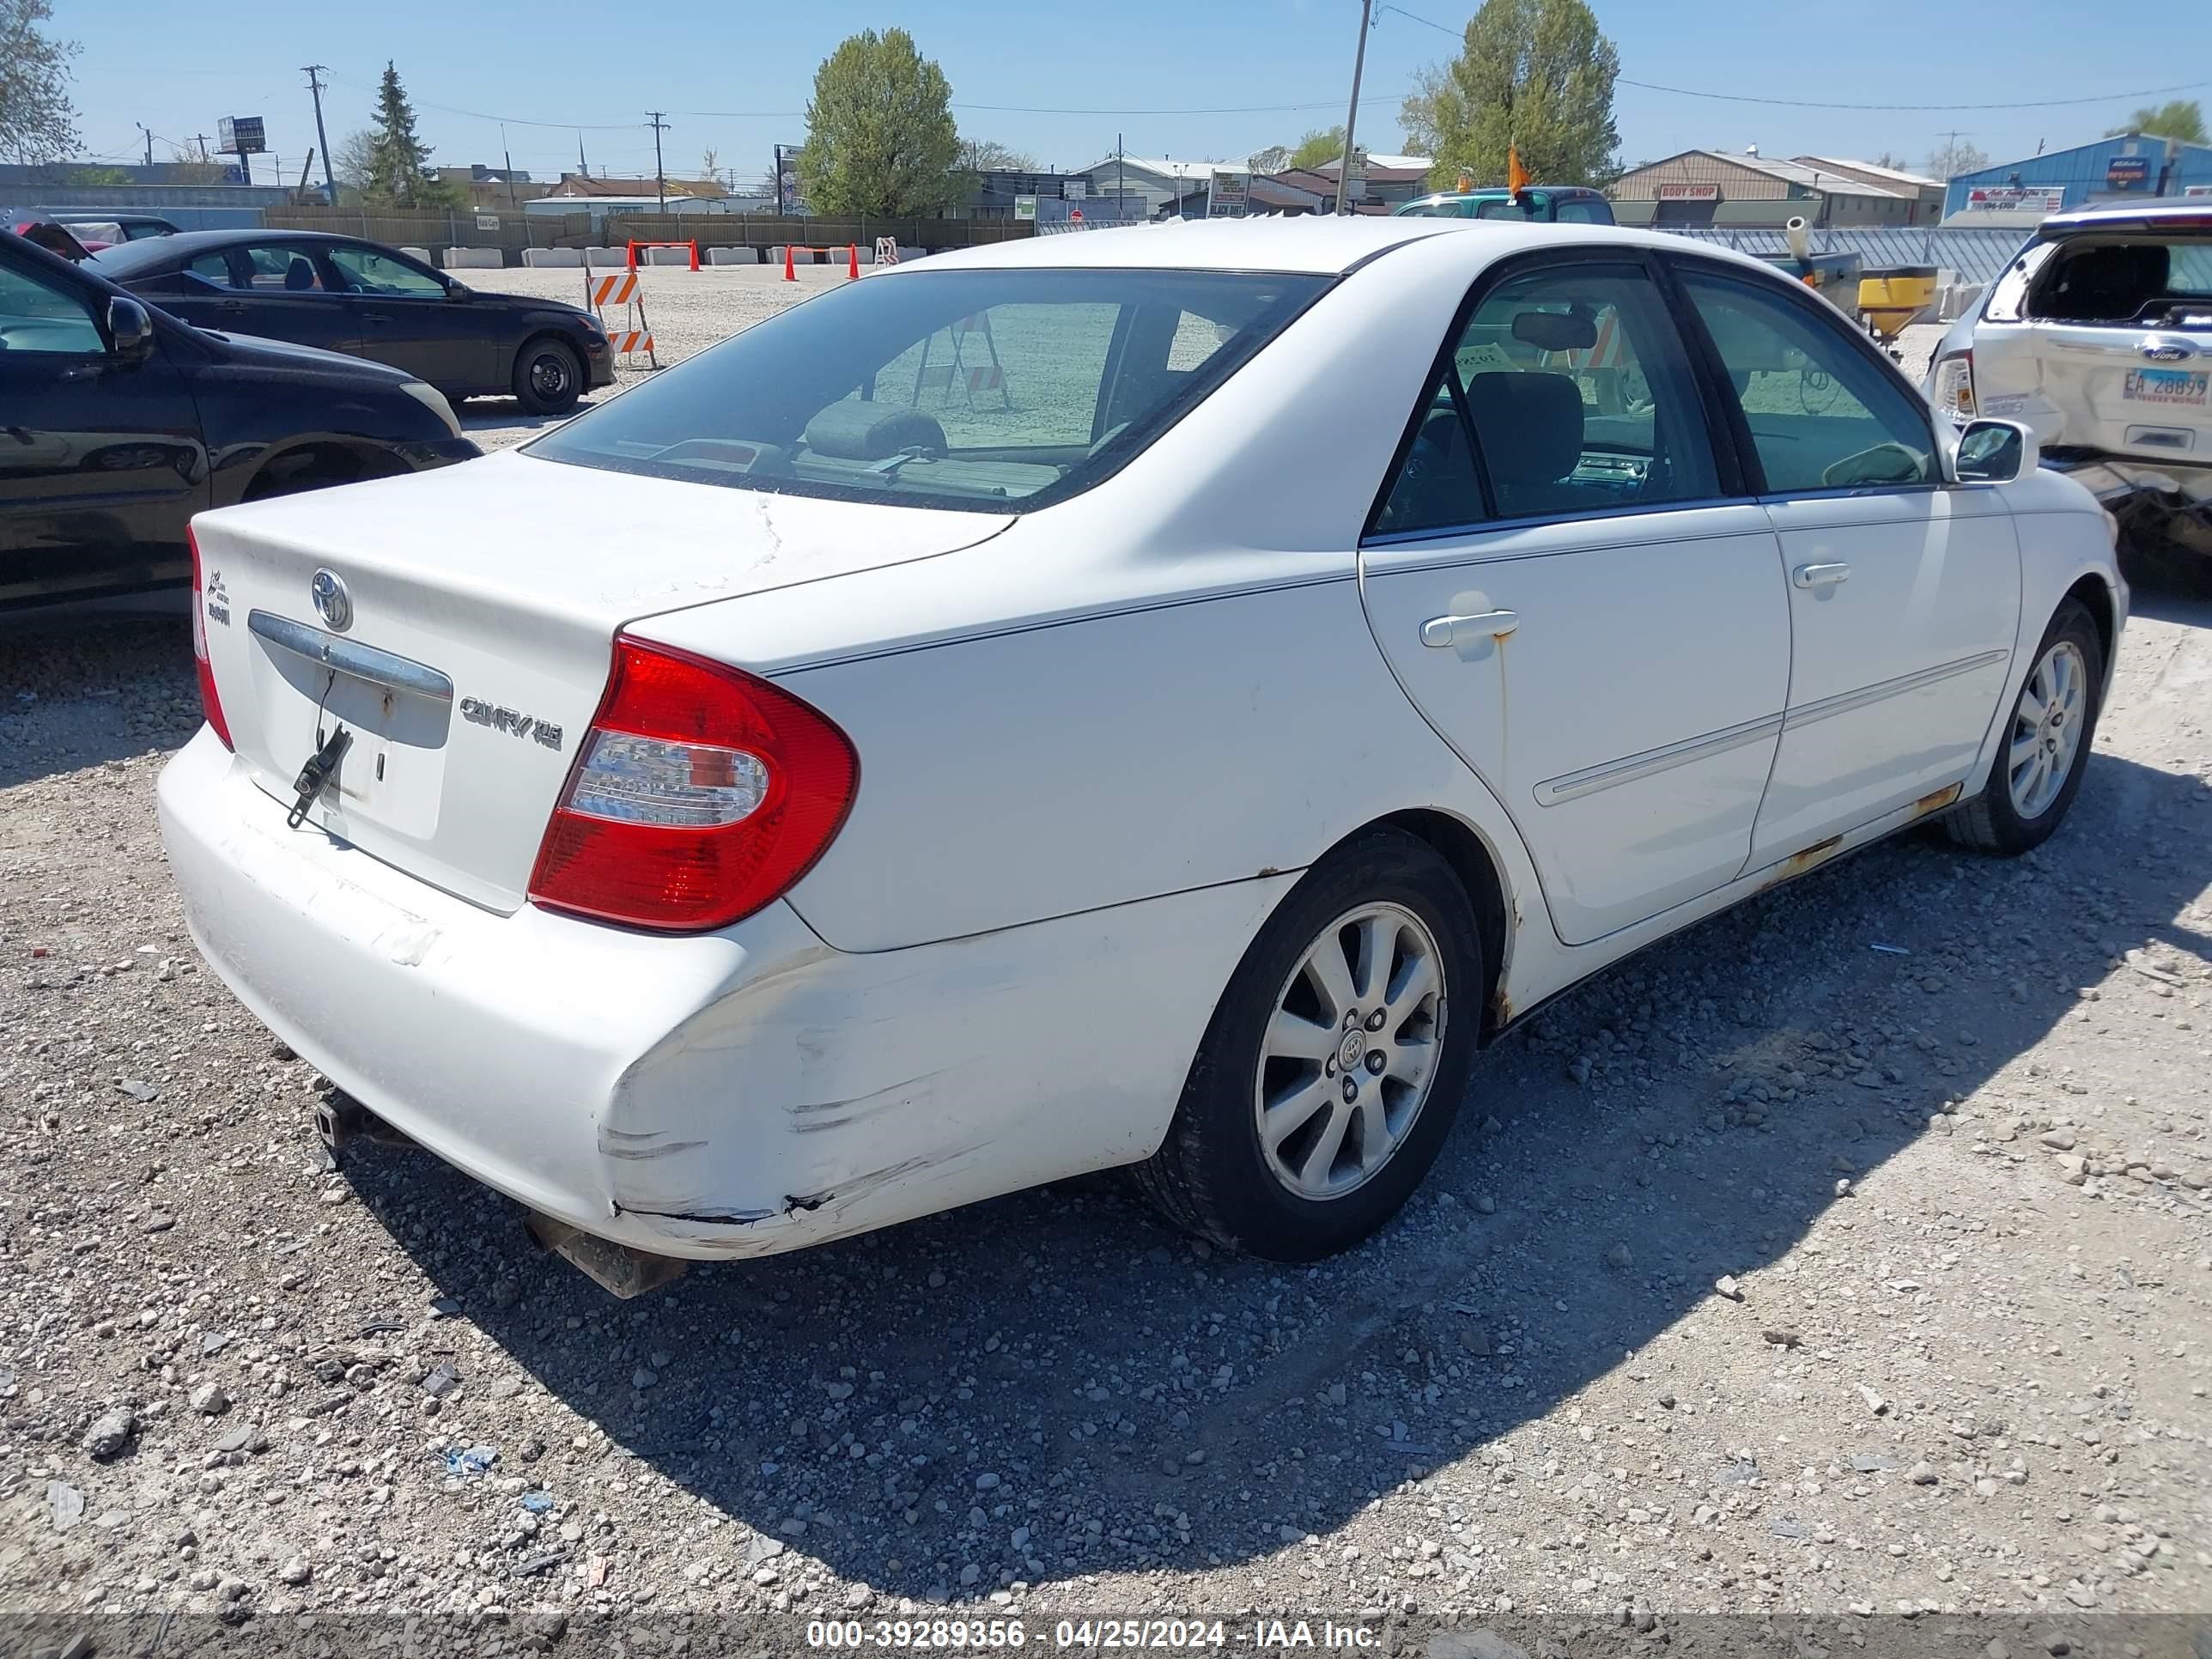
(333,603)
(478,712)
(2166,351)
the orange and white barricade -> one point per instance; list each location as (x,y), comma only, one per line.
(962,374)
(634,336)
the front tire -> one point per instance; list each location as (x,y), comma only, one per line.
(1335,1060)
(548,378)
(2045,745)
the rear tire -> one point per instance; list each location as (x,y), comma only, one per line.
(547,377)
(2045,745)
(1335,1060)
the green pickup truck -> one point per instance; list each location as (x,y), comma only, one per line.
(1564,204)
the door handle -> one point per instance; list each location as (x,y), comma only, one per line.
(1441,631)
(1821,575)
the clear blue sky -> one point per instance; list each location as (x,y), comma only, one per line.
(563,63)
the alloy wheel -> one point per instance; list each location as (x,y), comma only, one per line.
(1350,1051)
(2046,729)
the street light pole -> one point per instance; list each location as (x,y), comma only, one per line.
(1351,115)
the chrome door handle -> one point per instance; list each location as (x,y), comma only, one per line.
(1441,631)
(1821,575)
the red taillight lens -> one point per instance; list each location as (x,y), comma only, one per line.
(210,700)
(699,796)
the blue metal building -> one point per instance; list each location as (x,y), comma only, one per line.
(2127,166)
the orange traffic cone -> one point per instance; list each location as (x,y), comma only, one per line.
(789,275)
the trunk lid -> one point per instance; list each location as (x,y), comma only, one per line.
(480,604)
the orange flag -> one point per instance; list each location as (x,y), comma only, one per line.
(1516,176)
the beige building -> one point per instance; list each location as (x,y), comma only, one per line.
(1711,187)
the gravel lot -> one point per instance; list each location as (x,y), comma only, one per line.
(1847,1255)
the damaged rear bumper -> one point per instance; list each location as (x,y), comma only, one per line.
(726,1095)
(2116,479)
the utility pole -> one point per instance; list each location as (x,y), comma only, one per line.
(583,167)
(659,174)
(1351,115)
(201,138)
(1118,185)
(506,159)
(315,73)
(148,132)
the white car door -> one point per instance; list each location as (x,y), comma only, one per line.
(1904,592)
(1579,599)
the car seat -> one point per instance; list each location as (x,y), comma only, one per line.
(299,275)
(1528,424)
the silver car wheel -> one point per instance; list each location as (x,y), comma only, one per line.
(1350,1051)
(2046,730)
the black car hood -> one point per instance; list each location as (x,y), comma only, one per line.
(254,349)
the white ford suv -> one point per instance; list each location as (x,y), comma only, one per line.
(2098,337)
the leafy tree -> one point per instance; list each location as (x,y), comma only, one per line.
(1321,147)
(399,172)
(99,176)
(37,123)
(1534,75)
(880,137)
(989,155)
(2178,118)
(1955,156)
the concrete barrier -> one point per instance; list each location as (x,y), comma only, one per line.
(474,258)
(734,256)
(603,259)
(421,253)
(867,253)
(559,258)
(667,256)
(908,254)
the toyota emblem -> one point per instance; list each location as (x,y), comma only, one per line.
(333,603)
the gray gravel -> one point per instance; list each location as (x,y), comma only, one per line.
(1772,1272)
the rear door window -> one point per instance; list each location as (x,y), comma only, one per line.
(1567,391)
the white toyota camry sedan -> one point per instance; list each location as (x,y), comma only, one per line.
(1162,697)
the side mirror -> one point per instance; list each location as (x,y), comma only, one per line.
(130,330)
(459,292)
(1993,452)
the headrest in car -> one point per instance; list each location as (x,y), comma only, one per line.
(860,431)
(1528,423)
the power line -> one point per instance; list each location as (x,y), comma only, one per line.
(2029,103)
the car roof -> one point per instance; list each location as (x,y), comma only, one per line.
(129,258)
(2090,218)
(1319,244)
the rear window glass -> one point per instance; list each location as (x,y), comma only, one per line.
(2159,281)
(996,390)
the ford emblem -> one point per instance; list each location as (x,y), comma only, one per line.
(2166,351)
(333,603)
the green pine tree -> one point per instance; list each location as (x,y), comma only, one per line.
(398,172)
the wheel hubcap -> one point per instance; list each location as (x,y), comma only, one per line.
(1350,1051)
(2046,730)
(549,376)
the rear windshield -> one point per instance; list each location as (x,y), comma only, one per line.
(2162,282)
(999,391)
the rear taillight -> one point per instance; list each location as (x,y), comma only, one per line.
(1953,392)
(700,795)
(210,700)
